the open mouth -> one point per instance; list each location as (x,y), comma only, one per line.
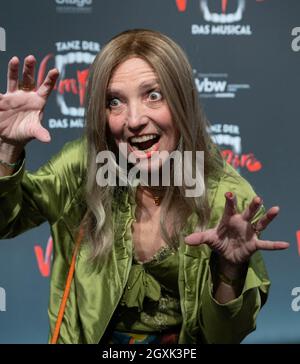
(145,142)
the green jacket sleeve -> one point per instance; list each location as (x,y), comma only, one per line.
(231,322)
(29,199)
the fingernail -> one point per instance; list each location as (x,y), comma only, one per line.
(259,200)
(186,240)
(15,59)
(229,195)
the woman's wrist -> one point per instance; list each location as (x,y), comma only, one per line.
(9,153)
(230,271)
(10,158)
(228,278)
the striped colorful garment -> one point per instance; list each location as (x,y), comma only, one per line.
(119,337)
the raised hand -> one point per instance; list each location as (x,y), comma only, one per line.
(21,107)
(235,239)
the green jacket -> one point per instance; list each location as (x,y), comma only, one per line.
(55,193)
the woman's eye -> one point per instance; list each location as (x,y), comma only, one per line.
(114,102)
(155,96)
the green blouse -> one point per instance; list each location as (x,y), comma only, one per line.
(150,302)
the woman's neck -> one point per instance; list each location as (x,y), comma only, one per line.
(150,198)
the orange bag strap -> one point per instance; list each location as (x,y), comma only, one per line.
(64,299)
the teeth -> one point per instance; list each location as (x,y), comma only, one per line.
(143,138)
(144,150)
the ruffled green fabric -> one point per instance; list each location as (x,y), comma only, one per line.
(146,279)
(150,302)
(140,285)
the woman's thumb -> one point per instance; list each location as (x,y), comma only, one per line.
(42,134)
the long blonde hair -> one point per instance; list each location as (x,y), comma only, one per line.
(177,85)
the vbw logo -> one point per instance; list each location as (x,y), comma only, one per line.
(207,86)
(2,299)
(217,85)
(2,40)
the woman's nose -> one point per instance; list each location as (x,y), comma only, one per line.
(136,116)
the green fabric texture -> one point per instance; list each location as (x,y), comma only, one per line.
(150,302)
(140,285)
(55,193)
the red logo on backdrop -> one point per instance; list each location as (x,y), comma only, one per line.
(182,4)
(73,59)
(247,161)
(44,260)
(75,86)
(229,140)
(298,240)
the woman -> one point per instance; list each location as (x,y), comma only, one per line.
(154,265)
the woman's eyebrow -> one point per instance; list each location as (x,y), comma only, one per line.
(146,85)
(113,92)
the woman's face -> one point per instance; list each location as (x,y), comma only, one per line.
(137,112)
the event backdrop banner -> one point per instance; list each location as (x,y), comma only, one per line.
(246,60)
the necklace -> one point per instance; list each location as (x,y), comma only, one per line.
(156,198)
